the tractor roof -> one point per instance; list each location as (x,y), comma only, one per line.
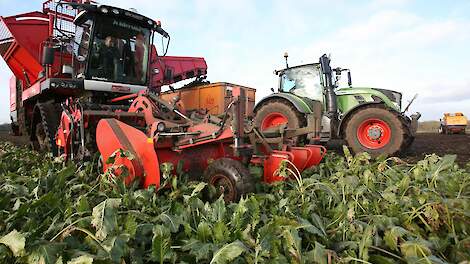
(294,67)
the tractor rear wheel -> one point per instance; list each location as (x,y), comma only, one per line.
(279,112)
(230,178)
(377,131)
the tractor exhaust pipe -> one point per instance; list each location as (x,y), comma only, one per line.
(332,106)
(331,103)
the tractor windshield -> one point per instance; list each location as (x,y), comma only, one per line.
(303,81)
(119,51)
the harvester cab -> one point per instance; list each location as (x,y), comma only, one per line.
(111,47)
(311,102)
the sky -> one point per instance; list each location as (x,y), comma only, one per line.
(411,46)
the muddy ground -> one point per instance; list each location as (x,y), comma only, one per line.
(425,143)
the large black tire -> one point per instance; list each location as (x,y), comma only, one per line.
(295,119)
(229,177)
(44,128)
(377,120)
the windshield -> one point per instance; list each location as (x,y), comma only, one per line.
(120,52)
(303,81)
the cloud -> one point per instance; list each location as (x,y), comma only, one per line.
(449,92)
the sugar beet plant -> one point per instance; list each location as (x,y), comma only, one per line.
(349,209)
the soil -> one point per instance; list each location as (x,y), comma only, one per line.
(424,144)
(428,143)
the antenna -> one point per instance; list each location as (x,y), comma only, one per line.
(286,55)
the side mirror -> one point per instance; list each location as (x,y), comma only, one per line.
(48,56)
(338,71)
(325,64)
(349,79)
(168,74)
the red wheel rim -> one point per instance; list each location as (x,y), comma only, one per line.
(223,185)
(374,133)
(273,120)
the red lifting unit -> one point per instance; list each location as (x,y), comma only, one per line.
(216,151)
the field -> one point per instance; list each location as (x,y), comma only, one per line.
(347,210)
(426,143)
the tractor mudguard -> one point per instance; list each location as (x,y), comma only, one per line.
(298,102)
(112,136)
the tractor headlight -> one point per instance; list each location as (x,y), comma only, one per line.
(104,10)
(116,12)
(161,127)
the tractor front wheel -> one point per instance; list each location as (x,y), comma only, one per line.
(230,178)
(377,131)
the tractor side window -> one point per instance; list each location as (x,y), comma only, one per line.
(303,81)
(82,45)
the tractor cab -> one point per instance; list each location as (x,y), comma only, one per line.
(304,81)
(310,80)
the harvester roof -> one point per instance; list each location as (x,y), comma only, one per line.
(116,12)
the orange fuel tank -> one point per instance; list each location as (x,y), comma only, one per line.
(214,97)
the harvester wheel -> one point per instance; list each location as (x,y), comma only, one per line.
(376,130)
(230,178)
(45,127)
(279,112)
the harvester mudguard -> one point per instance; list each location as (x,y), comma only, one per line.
(113,136)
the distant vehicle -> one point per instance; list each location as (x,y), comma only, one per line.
(453,123)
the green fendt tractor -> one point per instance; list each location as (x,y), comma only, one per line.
(310,105)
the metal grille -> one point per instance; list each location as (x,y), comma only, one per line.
(6,38)
(65,26)
(49,8)
(64,19)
